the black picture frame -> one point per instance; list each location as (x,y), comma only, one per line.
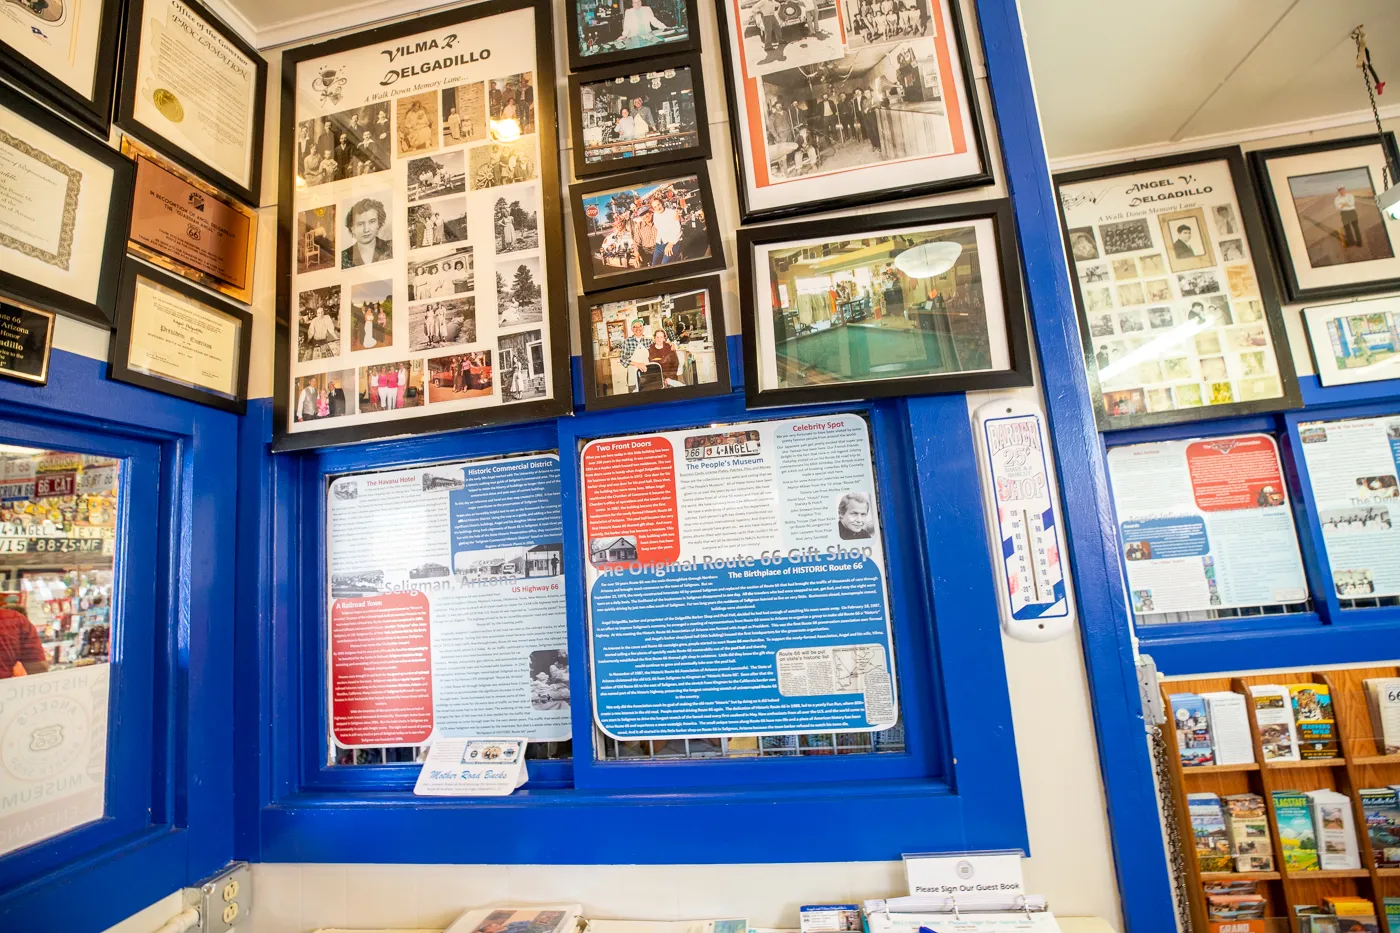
(676,170)
(93,114)
(103,309)
(1008,272)
(748,214)
(580,62)
(586,303)
(1259,164)
(552,234)
(1265,275)
(702,124)
(118,367)
(251,193)
(21,349)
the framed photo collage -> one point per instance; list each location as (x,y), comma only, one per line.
(150,239)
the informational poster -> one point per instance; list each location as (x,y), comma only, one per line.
(53,753)
(736,581)
(446,611)
(1206,524)
(1354,469)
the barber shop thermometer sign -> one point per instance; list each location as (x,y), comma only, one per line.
(1021,485)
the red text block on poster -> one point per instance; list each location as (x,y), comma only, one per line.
(1235,473)
(630,488)
(381,670)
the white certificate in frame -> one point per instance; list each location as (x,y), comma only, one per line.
(64,52)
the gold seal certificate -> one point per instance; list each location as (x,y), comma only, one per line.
(178,339)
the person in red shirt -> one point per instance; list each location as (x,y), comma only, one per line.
(21,652)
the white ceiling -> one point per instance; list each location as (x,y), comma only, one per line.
(1122,74)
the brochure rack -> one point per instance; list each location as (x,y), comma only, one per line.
(1362,763)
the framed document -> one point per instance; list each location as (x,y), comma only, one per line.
(1356,341)
(190,228)
(26,337)
(64,203)
(195,90)
(176,338)
(653,343)
(1178,308)
(419,160)
(605,32)
(833,105)
(881,304)
(645,225)
(634,116)
(64,52)
(1331,239)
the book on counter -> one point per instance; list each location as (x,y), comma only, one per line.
(1208,828)
(1248,822)
(1228,717)
(1334,827)
(1273,711)
(560,919)
(1296,839)
(1192,730)
(1314,720)
(1381,808)
(1392,914)
(1383,698)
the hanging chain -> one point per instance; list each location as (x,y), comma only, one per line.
(1176,851)
(1363,61)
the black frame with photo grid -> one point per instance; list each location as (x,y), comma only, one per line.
(118,363)
(551,245)
(94,113)
(677,170)
(577,62)
(1259,161)
(1007,269)
(586,304)
(251,193)
(737,125)
(1264,275)
(701,150)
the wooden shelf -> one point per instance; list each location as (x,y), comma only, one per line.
(1218,769)
(1241,875)
(1375,759)
(1306,763)
(1388,872)
(1331,873)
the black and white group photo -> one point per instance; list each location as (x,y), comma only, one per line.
(512,106)
(519,292)
(437,223)
(517,221)
(501,163)
(871,22)
(441,323)
(441,276)
(436,175)
(318,323)
(344,145)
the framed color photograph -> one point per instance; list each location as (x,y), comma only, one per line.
(1178,307)
(646,225)
(67,200)
(902,303)
(1358,341)
(632,117)
(605,32)
(653,343)
(64,52)
(177,338)
(414,269)
(850,102)
(1331,239)
(194,89)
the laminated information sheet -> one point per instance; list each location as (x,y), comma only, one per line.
(736,581)
(1205,524)
(1353,467)
(447,603)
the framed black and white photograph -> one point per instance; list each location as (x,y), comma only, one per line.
(851,102)
(1331,239)
(903,303)
(606,32)
(67,201)
(659,342)
(174,337)
(645,225)
(1178,307)
(636,116)
(416,266)
(194,90)
(64,52)
(1355,341)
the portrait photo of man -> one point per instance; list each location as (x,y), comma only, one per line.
(855,518)
(1188,243)
(366,222)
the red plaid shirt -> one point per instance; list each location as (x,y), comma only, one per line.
(18,642)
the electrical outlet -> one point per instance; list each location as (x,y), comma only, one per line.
(225,900)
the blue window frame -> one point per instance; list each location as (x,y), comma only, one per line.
(167,819)
(955,786)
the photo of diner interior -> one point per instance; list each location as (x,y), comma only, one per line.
(625,117)
(606,26)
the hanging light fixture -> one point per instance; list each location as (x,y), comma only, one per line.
(929,259)
(1389,198)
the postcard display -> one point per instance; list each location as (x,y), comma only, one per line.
(406,295)
(1353,467)
(703,626)
(440,601)
(1173,309)
(1206,524)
